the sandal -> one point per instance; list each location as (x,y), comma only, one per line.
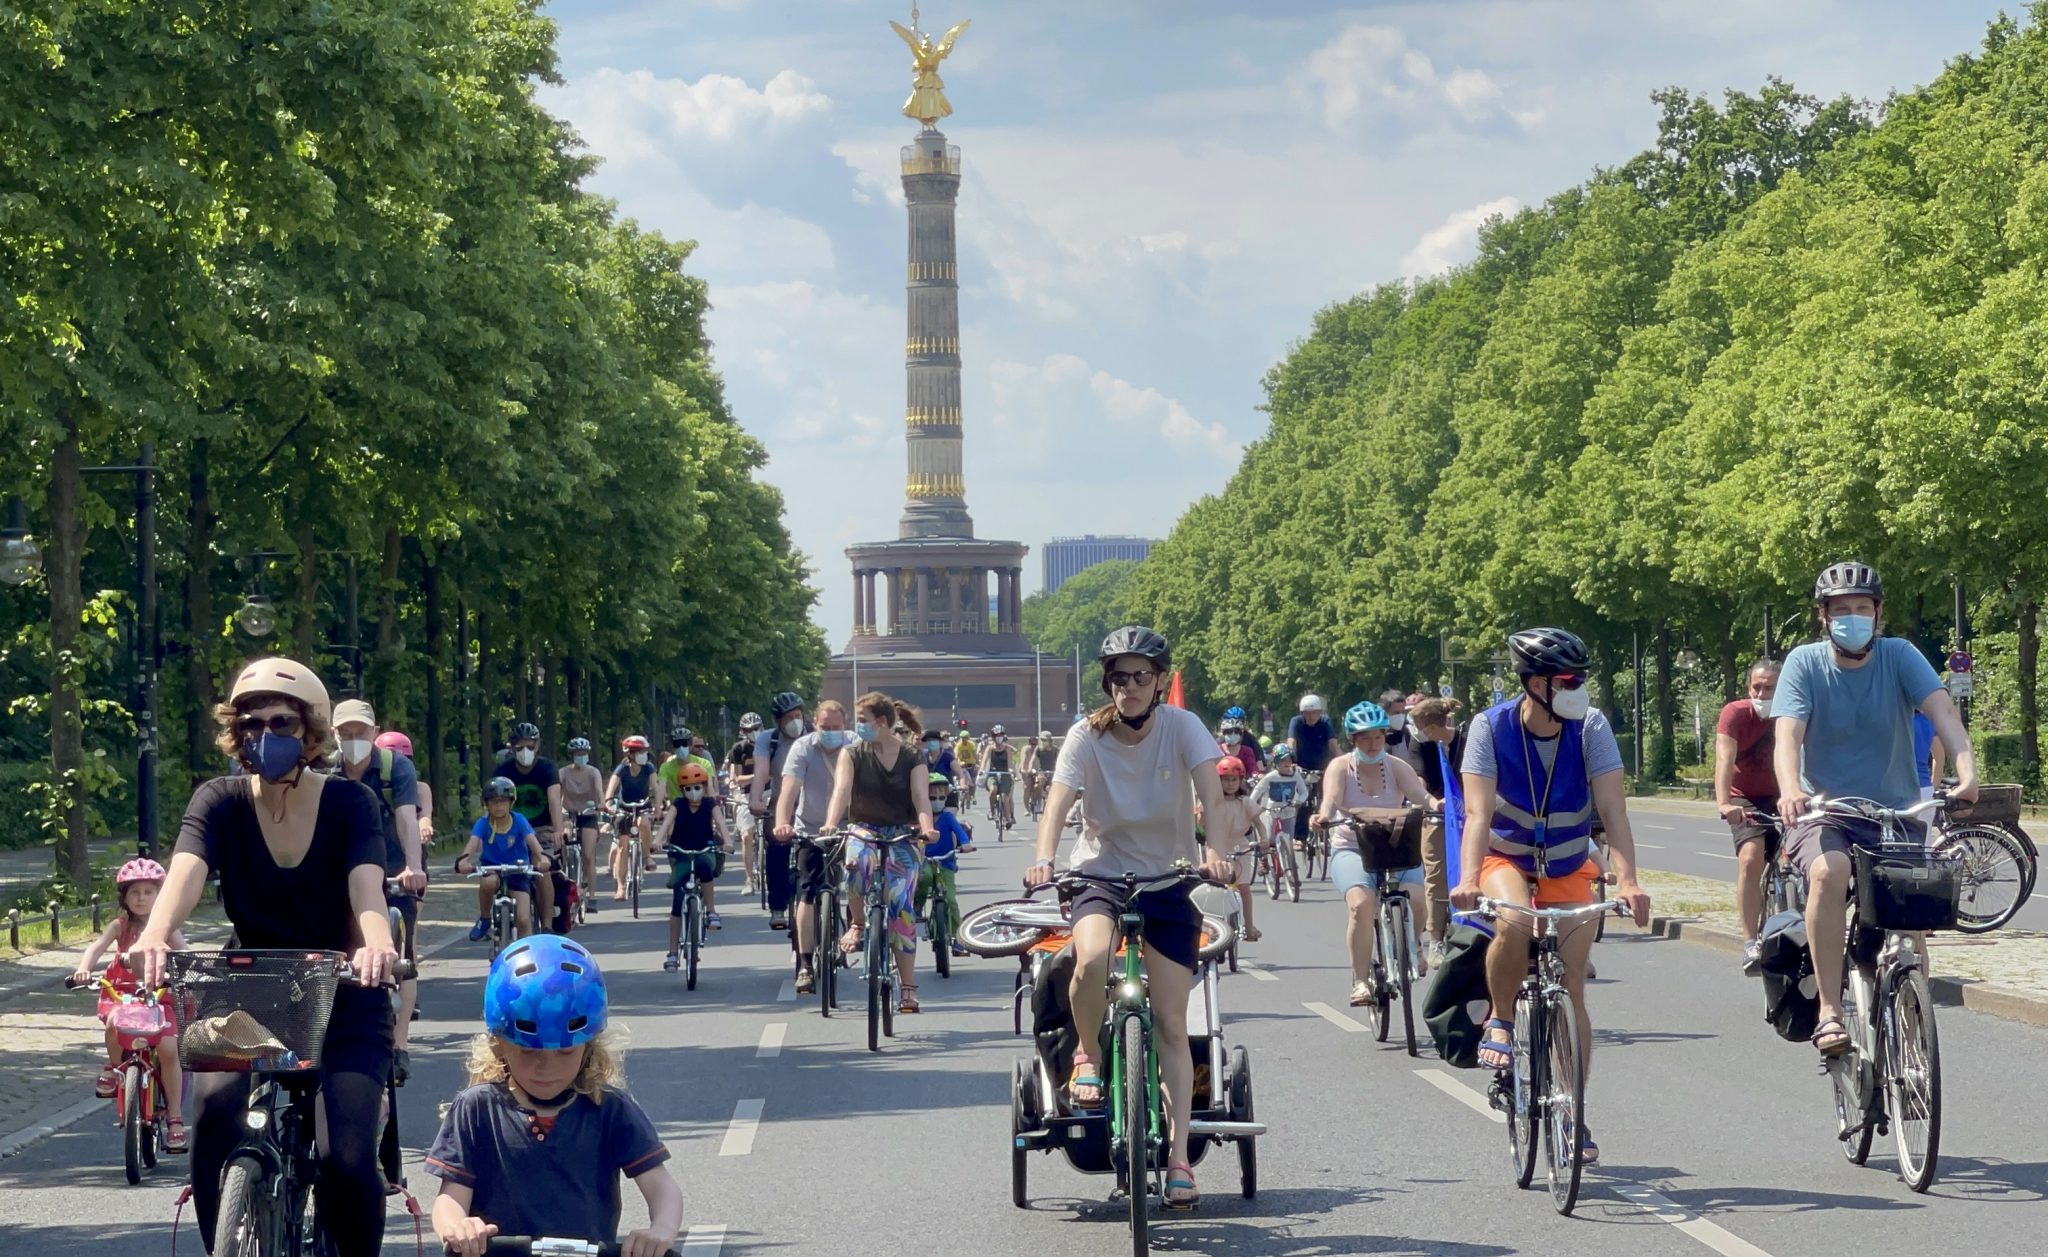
(109,1084)
(1180,1177)
(1836,1032)
(1503,1048)
(906,1000)
(174,1135)
(1589,1152)
(851,942)
(1083,1078)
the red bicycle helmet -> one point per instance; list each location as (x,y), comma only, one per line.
(633,743)
(393,740)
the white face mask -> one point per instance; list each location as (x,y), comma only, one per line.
(1571,704)
(1232,739)
(355,750)
(580,759)
(1762,708)
(694,794)
(639,759)
(1397,721)
(525,756)
(793,727)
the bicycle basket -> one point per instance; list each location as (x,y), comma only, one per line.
(1905,890)
(1388,840)
(1994,805)
(254,1010)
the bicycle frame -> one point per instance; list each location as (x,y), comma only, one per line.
(1134,1000)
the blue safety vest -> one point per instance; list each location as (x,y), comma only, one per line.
(1548,830)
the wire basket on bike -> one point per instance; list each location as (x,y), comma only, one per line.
(1994,805)
(1389,839)
(254,1010)
(1906,889)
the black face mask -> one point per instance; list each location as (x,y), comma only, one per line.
(1138,722)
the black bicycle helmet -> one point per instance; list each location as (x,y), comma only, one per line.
(1136,639)
(785,703)
(526,729)
(1543,652)
(679,735)
(1839,580)
(499,788)
(579,744)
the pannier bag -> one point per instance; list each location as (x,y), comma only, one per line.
(1791,996)
(1905,890)
(1455,1005)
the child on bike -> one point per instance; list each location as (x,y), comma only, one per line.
(535,1145)
(942,857)
(502,836)
(697,825)
(136,883)
(1233,820)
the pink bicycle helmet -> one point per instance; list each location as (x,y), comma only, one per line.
(139,870)
(393,740)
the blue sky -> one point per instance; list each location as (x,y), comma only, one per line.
(1157,196)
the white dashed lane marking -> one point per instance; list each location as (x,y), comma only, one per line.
(771,1039)
(1336,1018)
(739,1136)
(1460,1092)
(703,1241)
(1261,974)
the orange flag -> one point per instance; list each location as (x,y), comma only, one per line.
(1173,694)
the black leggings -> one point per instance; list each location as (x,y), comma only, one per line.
(355,1061)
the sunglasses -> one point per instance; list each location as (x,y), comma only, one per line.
(285,725)
(1130,680)
(1568,680)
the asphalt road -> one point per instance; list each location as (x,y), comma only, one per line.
(1716,1136)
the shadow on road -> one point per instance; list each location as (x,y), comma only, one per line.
(1991,1180)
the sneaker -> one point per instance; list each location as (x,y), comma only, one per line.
(806,981)
(960,948)
(477,931)
(778,922)
(672,963)
(713,920)
(1591,971)
(401,1067)
(1361,994)
(1752,957)
(747,887)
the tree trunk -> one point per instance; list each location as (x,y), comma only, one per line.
(522,682)
(308,597)
(67,673)
(572,689)
(1664,764)
(200,624)
(550,710)
(436,655)
(2029,677)
(486,696)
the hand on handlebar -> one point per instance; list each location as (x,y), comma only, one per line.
(468,1237)
(374,966)
(1793,805)
(1037,875)
(1465,896)
(1964,790)
(150,959)
(647,1243)
(1638,901)
(1223,872)
(413,880)
(1733,814)
(461,860)
(1317,821)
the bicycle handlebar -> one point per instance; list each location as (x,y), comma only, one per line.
(482,869)
(531,1246)
(1870,809)
(1609,907)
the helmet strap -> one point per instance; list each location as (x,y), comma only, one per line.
(533,1102)
(1138,721)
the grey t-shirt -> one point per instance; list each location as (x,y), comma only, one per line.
(1603,753)
(1859,721)
(1137,802)
(812,767)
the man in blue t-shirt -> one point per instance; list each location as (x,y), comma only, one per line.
(1844,711)
(1314,740)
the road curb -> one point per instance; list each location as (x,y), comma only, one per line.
(1979,997)
(20,1140)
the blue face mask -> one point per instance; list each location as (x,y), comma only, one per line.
(831,739)
(864,731)
(1363,758)
(1852,632)
(275,756)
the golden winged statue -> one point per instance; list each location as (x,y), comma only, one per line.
(927,101)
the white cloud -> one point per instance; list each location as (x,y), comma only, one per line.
(1370,71)
(1063,404)
(717,107)
(1452,241)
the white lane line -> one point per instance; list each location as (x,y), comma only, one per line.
(1260,974)
(739,1137)
(1649,825)
(1657,1205)
(704,1241)
(1665,1209)
(1460,1092)
(1654,846)
(771,1039)
(788,992)
(1714,855)
(1335,1018)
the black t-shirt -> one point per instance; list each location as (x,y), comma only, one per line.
(1432,770)
(530,788)
(741,757)
(302,906)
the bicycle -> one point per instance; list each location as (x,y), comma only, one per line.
(1997,861)
(936,905)
(1034,793)
(875,952)
(280,1000)
(1316,845)
(1889,1076)
(696,928)
(389,1155)
(573,868)
(140,1109)
(1547,1079)
(1784,886)
(826,957)
(631,814)
(504,909)
(1001,809)
(1283,868)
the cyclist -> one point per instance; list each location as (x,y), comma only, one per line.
(1136,767)
(998,761)
(1402,743)
(538,1140)
(1844,710)
(634,780)
(938,756)
(1032,762)
(502,836)
(539,800)
(1370,777)
(1525,842)
(1744,783)
(771,757)
(968,756)
(1283,784)
(689,749)
(1230,736)
(805,795)
(300,858)
(1234,818)
(1442,744)
(136,885)
(394,740)
(696,825)
(942,856)
(878,786)
(583,789)
(391,777)
(739,768)
(1314,740)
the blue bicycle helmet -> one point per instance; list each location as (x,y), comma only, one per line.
(1282,751)
(1234,713)
(545,993)
(1364,718)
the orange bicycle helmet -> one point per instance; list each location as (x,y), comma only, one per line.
(692,774)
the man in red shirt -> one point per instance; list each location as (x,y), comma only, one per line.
(1743,783)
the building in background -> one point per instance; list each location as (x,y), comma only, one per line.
(1067,557)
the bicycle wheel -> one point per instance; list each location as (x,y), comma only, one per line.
(878,996)
(133,1129)
(504,928)
(1284,844)
(1564,1101)
(153,1129)
(1404,967)
(1912,1054)
(985,933)
(633,887)
(238,1229)
(692,920)
(1137,1125)
(1853,1081)
(942,927)
(1380,1010)
(825,953)
(1271,868)
(1524,1077)
(1020,1125)
(1996,876)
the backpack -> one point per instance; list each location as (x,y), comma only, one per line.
(1455,1006)
(1791,996)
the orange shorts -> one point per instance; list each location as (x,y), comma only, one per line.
(1575,887)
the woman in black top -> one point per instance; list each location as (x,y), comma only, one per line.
(300,856)
(881,786)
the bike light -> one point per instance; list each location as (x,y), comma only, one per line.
(256,1120)
(1128,991)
